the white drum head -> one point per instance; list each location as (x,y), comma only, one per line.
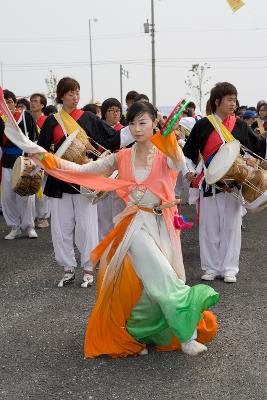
(222,161)
(17,171)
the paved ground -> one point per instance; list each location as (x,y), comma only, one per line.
(42,330)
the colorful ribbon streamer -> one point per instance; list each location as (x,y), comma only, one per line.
(177,111)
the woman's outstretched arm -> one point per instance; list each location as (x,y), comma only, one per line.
(103,166)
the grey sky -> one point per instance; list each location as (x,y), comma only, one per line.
(45,34)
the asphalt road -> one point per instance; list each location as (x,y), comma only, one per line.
(42,329)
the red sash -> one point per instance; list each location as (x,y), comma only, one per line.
(118,127)
(40,121)
(58,132)
(16,115)
(213,144)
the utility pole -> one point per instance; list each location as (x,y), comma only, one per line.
(150,28)
(125,73)
(91,58)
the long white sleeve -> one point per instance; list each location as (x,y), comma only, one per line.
(103,166)
(126,137)
(189,166)
(176,165)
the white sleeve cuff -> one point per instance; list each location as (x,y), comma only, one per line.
(190,167)
(126,137)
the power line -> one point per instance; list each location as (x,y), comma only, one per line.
(122,35)
(224,59)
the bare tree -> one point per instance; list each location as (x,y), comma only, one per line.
(197,81)
(51,83)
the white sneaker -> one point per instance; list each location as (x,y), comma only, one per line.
(31,232)
(230,279)
(143,352)
(42,223)
(67,279)
(15,232)
(88,280)
(193,348)
(208,277)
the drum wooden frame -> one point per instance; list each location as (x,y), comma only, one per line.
(228,166)
(22,181)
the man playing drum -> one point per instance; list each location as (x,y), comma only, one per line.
(220,212)
(72,215)
(19,212)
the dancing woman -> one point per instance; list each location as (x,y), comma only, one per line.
(142,297)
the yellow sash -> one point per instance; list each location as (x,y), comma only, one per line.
(4,118)
(216,123)
(260,126)
(70,125)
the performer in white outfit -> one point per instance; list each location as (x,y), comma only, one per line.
(73,217)
(18,211)
(220,212)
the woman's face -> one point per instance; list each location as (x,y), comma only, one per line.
(142,127)
(263,112)
(71,98)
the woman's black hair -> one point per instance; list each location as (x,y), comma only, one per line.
(262,104)
(140,108)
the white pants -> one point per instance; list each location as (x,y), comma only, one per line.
(42,207)
(220,234)
(18,211)
(73,220)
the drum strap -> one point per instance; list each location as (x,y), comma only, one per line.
(25,125)
(67,123)
(224,133)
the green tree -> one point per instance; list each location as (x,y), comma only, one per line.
(196,81)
